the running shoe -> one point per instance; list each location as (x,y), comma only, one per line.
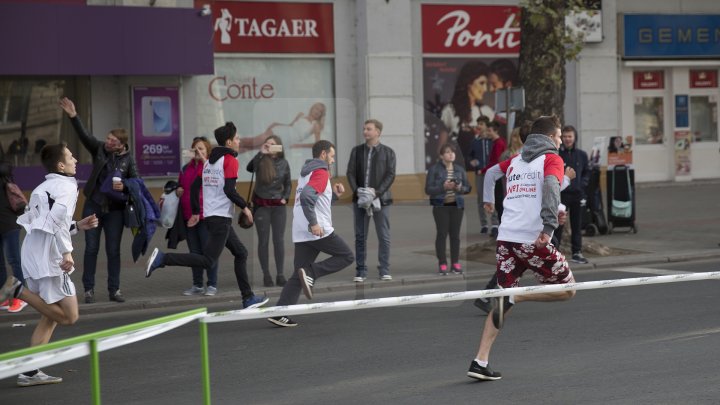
(254,302)
(306,282)
(210,291)
(5,304)
(443,270)
(386,277)
(154,262)
(457,268)
(17,305)
(11,289)
(39,378)
(482,373)
(282,321)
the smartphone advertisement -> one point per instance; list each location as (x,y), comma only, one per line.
(156,121)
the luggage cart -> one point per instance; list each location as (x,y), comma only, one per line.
(621,198)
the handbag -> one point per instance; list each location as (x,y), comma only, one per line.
(622,209)
(16,198)
(130,216)
(243,220)
(107,188)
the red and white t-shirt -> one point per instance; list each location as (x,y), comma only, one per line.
(521,221)
(320,181)
(215,202)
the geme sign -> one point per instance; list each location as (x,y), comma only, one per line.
(270,27)
(674,36)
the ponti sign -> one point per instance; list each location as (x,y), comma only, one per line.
(273,27)
(467,29)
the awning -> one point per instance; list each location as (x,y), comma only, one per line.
(56,39)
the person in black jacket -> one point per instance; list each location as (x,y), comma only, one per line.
(574,196)
(371,173)
(111,158)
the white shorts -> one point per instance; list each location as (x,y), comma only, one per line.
(52,289)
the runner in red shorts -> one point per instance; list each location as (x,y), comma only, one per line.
(529,219)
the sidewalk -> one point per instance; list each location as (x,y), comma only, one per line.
(676,222)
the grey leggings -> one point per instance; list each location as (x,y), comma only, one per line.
(267,218)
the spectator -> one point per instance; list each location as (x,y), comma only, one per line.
(198,234)
(9,238)
(574,196)
(479,155)
(110,159)
(270,197)
(446,182)
(371,173)
(498,147)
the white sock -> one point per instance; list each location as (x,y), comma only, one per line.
(511,298)
(481,363)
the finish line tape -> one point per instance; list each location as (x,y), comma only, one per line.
(302,309)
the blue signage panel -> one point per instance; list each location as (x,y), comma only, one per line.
(681,111)
(671,36)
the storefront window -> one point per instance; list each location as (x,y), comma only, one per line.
(703,118)
(649,118)
(30,118)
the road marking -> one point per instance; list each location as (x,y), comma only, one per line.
(648,270)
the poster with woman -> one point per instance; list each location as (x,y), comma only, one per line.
(458,91)
(292,99)
(620,150)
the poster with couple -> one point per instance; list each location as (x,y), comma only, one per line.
(289,99)
(458,91)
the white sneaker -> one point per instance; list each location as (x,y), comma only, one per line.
(358,279)
(386,277)
(38,379)
(194,290)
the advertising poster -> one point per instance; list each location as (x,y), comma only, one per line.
(598,157)
(682,153)
(620,150)
(292,99)
(156,116)
(469,53)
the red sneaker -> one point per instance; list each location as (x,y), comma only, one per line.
(5,304)
(17,305)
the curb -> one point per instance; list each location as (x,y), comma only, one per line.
(229,298)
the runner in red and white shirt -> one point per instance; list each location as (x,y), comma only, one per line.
(220,197)
(529,220)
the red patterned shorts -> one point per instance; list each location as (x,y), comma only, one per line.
(548,264)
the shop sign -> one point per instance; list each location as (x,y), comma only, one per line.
(700,79)
(464,29)
(272,27)
(651,36)
(648,80)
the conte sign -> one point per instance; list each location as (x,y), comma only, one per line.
(464,29)
(269,27)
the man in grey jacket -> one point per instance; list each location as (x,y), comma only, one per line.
(371,172)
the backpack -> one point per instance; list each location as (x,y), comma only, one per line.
(16,198)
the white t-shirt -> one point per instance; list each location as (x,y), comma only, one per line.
(215,202)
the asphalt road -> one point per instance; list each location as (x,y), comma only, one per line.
(655,344)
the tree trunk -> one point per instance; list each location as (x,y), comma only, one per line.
(542,60)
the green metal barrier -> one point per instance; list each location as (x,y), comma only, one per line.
(91,344)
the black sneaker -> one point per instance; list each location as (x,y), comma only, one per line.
(502,305)
(484,304)
(90,296)
(280,281)
(282,321)
(494,232)
(484,230)
(482,373)
(306,282)
(116,296)
(579,258)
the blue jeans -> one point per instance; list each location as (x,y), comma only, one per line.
(112,223)
(196,237)
(11,251)
(382,227)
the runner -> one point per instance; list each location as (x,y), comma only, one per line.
(46,254)
(530,218)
